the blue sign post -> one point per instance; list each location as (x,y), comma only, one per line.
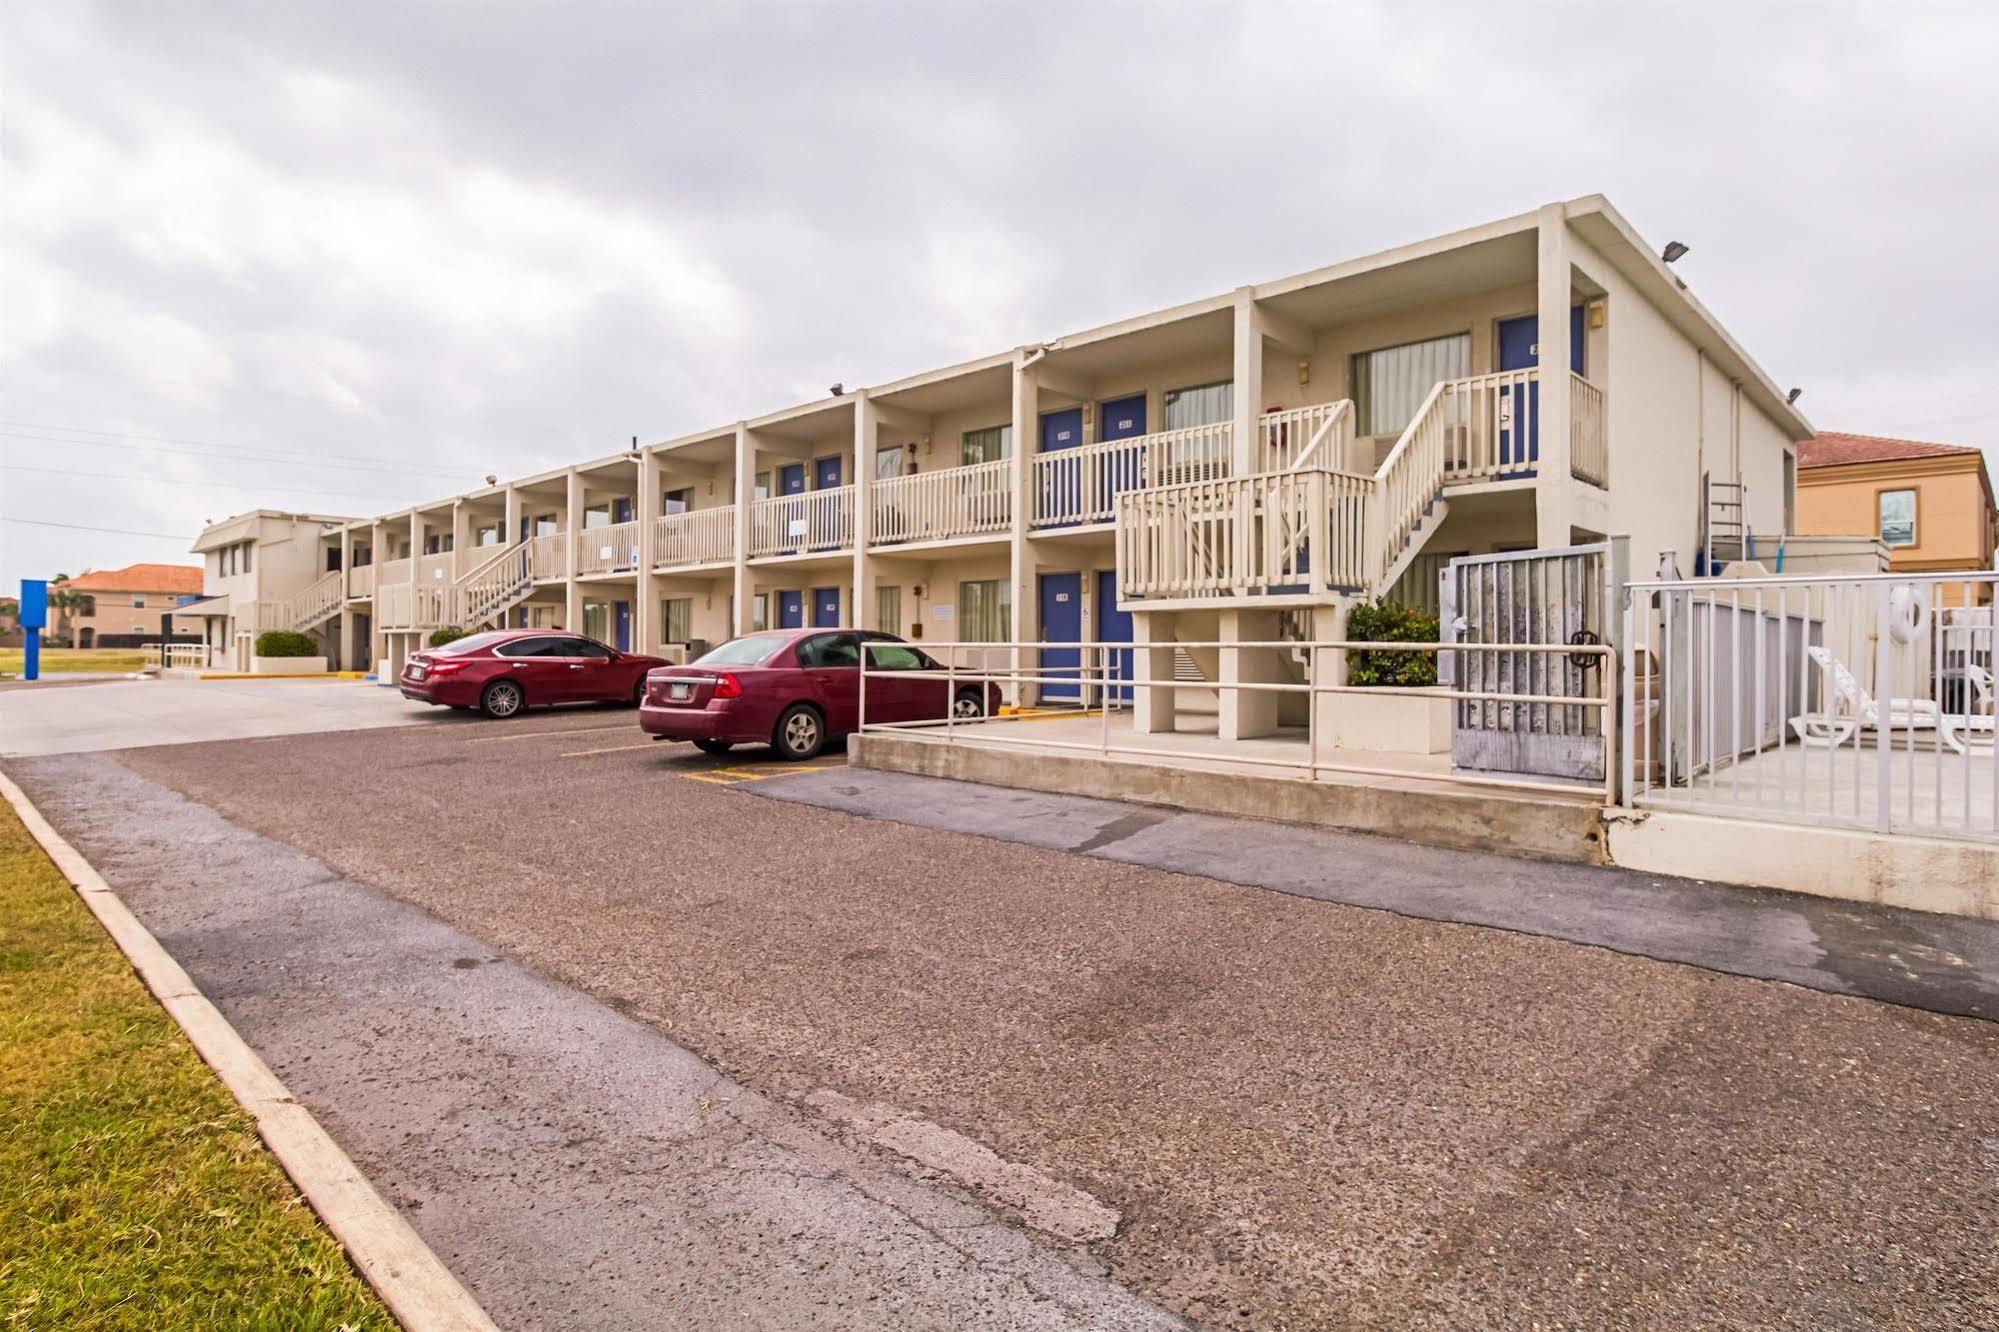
(34,615)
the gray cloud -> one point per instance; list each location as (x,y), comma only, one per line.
(472,238)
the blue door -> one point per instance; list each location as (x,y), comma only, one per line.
(825,608)
(1520,349)
(525,520)
(790,610)
(1061,622)
(621,625)
(1066,492)
(826,472)
(791,479)
(1124,469)
(1114,626)
(621,511)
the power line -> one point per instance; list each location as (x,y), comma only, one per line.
(85,527)
(202,485)
(293,460)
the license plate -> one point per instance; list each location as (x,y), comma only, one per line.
(680,691)
(418,672)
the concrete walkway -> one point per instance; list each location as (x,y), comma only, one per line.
(1945,964)
(119,714)
(573,1167)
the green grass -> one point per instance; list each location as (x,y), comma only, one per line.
(134,1191)
(58,661)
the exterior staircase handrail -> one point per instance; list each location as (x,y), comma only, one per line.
(1342,413)
(493,586)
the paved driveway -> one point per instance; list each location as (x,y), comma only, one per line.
(57,716)
(1308,1114)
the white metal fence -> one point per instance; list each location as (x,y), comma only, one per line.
(1864,701)
(1104,678)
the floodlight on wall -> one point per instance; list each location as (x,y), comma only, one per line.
(1794,395)
(1673,252)
(492,480)
(837,390)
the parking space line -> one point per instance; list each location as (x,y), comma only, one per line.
(537,735)
(613,749)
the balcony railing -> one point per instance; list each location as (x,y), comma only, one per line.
(361,581)
(613,548)
(1589,445)
(1319,435)
(953,502)
(1294,532)
(548,555)
(808,521)
(435,570)
(394,571)
(1075,486)
(698,536)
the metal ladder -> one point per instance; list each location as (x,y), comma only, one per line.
(1724,522)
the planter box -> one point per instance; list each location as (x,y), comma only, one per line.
(288,665)
(1391,723)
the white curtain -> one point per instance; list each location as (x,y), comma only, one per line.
(985,611)
(1390,384)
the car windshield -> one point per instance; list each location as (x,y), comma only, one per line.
(750,650)
(458,647)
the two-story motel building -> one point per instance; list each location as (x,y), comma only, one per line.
(1536,381)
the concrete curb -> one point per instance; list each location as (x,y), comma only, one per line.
(418,1289)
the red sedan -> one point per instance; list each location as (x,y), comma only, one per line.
(506,670)
(794,689)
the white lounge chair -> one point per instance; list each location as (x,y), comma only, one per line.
(1853,708)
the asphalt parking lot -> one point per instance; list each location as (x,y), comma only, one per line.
(1307,1114)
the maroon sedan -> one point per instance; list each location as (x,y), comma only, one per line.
(506,670)
(794,689)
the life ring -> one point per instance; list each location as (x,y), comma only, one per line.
(1908,612)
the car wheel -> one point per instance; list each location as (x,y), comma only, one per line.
(502,698)
(968,703)
(639,692)
(714,746)
(800,733)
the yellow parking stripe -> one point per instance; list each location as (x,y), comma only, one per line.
(536,735)
(614,749)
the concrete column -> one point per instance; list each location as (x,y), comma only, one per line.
(463,549)
(344,653)
(646,629)
(378,543)
(1153,705)
(1248,390)
(1329,624)
(1246,714)
(746,490)
(572,523)
(1554,515)
(510,533)
(867,435)
(1026,625)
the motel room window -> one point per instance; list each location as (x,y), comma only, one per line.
(676,619)
(888,609)
(763,485)
(676,501)
(493,535)
(247,547)
(544,525)
(1204,404)
(891,462)
(988,445)
(596,622)
(596,515)
(760,612)
(1390,384)
(1898,517)
(985,611)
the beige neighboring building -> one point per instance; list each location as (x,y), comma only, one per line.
(141,603)
(1930,504)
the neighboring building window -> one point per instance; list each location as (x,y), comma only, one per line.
(985,611)
(760,612)
(676,618)
(1898,517)
(138,601)
(87,606)
(888,609)
(988,445)
(1204,404)
(1390,384)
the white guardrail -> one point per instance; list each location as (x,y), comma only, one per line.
(178,656)
(1105,683)
(1864,701)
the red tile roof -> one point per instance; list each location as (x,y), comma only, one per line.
(1840,450)
(176,578)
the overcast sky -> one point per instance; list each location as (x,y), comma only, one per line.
(346,257)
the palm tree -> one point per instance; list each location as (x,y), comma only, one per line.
(64,601)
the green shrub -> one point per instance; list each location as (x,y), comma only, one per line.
(439,637)
(285,643)
(1386,621)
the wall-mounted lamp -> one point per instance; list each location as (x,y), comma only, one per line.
(837,390)
(1794,395)
(1673,252)
(1304,372)
(492,480)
